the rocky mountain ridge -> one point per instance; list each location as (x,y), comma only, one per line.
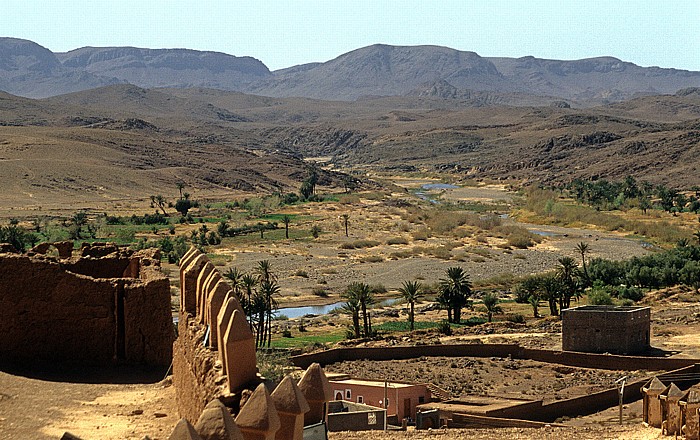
(30,70)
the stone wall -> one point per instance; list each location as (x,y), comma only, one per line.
(49,313)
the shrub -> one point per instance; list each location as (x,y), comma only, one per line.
(301,273)
(599,297)
(286,333)
(359,244)
(319,291)
(516,318)
(421,234)
(397,240)
(631,293)
(371,259)
(444,327)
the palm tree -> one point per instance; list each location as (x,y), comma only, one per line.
(490,301)
(551,289)
(248,282)
(268,289)
(180,186)
(352,307)
(258,309)
(346,218)
(264,271)
(411,292)
(235,277)
(583,249)
(455,290)
(286,219)
(365,297)
(568,273)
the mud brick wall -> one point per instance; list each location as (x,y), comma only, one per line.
(50,314)
(601,329)
(196,380)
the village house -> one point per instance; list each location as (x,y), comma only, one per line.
(399,398)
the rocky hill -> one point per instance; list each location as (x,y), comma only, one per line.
(182,68)
(30,70)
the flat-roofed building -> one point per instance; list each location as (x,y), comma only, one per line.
(606,329)
(401,397)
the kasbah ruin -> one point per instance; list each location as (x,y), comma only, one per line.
(103,305)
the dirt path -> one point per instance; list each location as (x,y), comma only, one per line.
(33,408)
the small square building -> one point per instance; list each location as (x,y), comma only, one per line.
(606,329)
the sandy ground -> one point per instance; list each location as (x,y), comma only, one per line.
(45,407)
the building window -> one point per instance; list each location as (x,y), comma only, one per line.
(360,399)
(338,395)
(421,399)
(387,402)
(348,394)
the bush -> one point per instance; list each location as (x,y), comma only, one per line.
(444,327)
(318,291)
(631,293)
(359,244)
(421,234)
(286,333)
(397,240)
(371,259)
(301,273)
(516,318)
(599,297)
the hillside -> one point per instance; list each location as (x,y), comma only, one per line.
(124,143)
(150,68)
(380,70)
(30,70)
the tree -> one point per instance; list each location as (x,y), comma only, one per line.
(264,272)
(490,301)
(315,231)
(308,186)
(529,290)
(268,289)
(159,201)
(248,282)
(568,273)
(365,297)
(411,292)
(346,218)
(455,291)
(583,249)
(236,280)
(551,288)
(183,206)
(644,203)
(180,186)
(286,219)
(690,275)
(352,307)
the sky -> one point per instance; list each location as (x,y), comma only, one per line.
(284,33)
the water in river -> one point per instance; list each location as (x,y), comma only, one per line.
(296,312)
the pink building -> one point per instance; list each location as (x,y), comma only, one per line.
(401,398)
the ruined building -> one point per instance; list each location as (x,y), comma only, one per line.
(106,305)
(606,329)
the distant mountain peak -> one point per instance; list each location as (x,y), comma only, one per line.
(30,70)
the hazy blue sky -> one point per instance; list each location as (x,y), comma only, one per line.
(282,33)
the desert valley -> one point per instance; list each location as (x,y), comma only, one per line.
(178,227)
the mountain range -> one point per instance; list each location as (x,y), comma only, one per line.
(30,70)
